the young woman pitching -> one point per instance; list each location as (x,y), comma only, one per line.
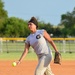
(39,39)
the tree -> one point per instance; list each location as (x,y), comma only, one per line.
(68,20)
(15,27)
(73,31)
(3,12)
(3,16)
(57,32)
(46,26)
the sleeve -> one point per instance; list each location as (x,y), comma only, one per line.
(27,41)
(42,32)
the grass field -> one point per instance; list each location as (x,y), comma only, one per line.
(32,56)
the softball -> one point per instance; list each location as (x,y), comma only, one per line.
(14,64)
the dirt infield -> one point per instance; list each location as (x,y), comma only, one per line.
(28,68)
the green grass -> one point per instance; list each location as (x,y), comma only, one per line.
(16,56)
(68,56)
(32,56)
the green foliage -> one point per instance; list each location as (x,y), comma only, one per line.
(15,27)
(68,20)
(57,32)
(3,16)
(46,26)
(73,31)
(3,13)
(64,32)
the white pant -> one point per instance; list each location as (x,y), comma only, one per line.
(43,66)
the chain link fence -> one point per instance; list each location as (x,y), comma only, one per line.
(17,44)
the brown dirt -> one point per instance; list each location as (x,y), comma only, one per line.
(28,67)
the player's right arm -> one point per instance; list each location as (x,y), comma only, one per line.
(49,39)
(24,53)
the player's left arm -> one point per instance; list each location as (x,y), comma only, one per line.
(49,39)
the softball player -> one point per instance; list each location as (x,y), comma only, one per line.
(39,39)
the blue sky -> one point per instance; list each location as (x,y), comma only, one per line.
(46,10)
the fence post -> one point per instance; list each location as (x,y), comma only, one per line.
(64,44)
(1,45)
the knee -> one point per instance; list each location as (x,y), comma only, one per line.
(38,72)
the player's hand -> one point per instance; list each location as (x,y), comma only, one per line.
(18,62)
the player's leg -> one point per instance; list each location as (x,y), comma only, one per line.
(48,71)
(43,64)
(39,69)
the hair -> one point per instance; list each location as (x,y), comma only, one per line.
(34,20)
